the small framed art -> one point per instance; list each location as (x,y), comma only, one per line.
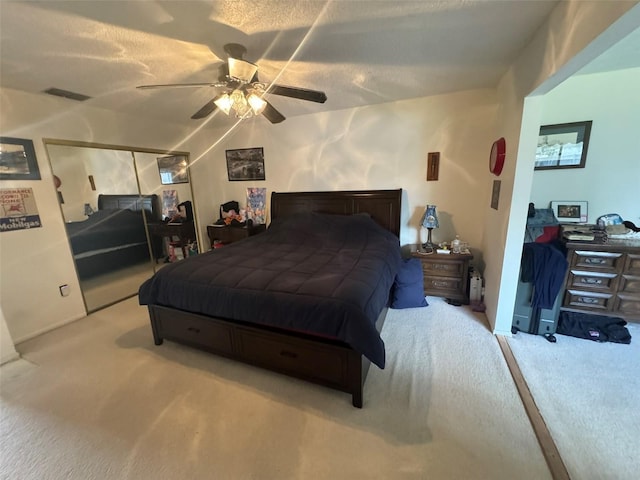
(18,159)
(433,166)
(570,211)
(495,194)
(245,164)
(173,169)
(563,145)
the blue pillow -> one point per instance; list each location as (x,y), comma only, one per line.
(408,287)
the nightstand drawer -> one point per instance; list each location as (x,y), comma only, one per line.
(228,234)
(443,286)
(443,269)
(445,275)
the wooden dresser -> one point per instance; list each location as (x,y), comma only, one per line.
(604,279)
(445,275)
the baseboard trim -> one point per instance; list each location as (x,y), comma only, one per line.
(549,450)
(49,328)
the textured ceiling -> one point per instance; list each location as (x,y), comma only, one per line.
(358,52)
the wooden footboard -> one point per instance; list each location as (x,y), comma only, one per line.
(322,361)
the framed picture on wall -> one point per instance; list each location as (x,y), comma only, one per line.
(18,159)
(245,164)
(173,169)
(563,145)
(570,211)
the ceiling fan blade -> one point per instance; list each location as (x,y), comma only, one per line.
(300,93)
(181,85)
(204,111)
(271,114)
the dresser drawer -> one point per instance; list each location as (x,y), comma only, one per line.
(197,331)
(600,261)
(604,279)
(596,281)
(630,284)
(629,306)
(632,266)
(593,301)
(305,359)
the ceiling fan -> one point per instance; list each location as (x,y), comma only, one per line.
(242,92)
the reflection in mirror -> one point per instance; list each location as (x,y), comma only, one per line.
(173,236)
(104,217)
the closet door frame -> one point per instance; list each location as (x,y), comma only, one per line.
(133,151)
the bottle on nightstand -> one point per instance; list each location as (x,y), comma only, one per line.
(455,245)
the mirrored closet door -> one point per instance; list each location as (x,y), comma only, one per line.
(112,203)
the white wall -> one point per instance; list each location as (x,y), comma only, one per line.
(611,177)
(35,262)
(571,37)
(381,147)
(7,350)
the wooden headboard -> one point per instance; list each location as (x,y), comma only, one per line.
(382,205)
(148,203)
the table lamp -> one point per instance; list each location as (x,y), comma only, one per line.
(429,221)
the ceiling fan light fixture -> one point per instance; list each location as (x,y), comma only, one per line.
(242,70)
(224,103)
(257,104)
(240,105)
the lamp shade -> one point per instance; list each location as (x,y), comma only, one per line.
(257,104)
(223,102)
(430,217)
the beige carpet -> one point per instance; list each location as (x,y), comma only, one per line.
(97,400)
(589,396)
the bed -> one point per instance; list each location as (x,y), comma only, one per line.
(306,298)
(114,236)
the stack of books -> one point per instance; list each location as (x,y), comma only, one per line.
(583,233)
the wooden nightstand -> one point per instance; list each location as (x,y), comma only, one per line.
(445,275)
(185,232)
(228,234)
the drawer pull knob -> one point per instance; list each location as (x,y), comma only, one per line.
(288,354)
(193,329)
(595,261)
(591,281)
(588,300)
(435,283)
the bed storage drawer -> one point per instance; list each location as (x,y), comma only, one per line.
(301,358)
(187,328)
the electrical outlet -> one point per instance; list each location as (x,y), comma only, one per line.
(64,290)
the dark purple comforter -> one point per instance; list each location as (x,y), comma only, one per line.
(328,275)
